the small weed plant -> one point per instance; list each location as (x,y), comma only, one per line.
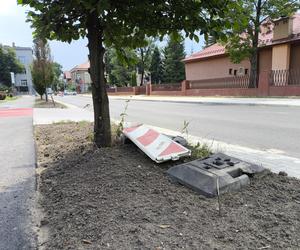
(198,150)
(120,125)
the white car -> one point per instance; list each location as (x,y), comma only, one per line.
(49,91)
(67,92)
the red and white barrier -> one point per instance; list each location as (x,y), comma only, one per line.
(157,146)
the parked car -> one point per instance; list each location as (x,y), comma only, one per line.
(49,91)
(68,92)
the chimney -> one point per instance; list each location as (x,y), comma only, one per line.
(13,44)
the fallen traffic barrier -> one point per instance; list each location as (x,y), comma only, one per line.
(157,146)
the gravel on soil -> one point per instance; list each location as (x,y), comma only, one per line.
(117,198)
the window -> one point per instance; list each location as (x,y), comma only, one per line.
(23,82)
(234,72)
(246,71)
(241,71)
(230,71)
(22,59)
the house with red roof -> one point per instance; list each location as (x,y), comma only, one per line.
(67,77)
(81,77)
(279,51)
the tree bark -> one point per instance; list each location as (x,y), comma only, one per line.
(254,57)
(46,95)
(102,130)
(142,67)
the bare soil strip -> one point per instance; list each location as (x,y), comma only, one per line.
(117,198)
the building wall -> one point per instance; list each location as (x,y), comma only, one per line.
(282,29)
(281,57)
(213,68)
(265,60)
(81,78)
(295,57)
(24,55)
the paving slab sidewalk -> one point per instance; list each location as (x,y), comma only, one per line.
(293,102)
(17,179)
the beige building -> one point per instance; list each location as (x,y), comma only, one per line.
(81,77)
(279,49)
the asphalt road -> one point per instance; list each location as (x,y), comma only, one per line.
(272,128)
(17,179)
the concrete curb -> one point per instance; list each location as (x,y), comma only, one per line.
(206,102)
(67,104)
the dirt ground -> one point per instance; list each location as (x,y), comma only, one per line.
(43,104)
(117,198)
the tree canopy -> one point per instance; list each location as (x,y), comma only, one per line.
(42,68)
(123,23)
(156,67)
(173,66)
(144,58)
(120,71)
(8,63)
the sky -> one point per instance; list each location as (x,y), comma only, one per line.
(14,28)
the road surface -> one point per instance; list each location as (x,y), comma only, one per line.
(17,178)
(271,128)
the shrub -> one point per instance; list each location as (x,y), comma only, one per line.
(2,95)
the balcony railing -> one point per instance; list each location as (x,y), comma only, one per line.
(280,78)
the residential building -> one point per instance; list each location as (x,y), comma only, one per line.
(81,77)
(279,50)
(23,81)
(67,77)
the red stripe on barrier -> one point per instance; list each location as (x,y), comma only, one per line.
(149,137)
(16,112)
(128,130)
(171,149)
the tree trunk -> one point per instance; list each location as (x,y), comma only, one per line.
(254,57)
(142,77)
(142,67)
(102,131)
(254,69)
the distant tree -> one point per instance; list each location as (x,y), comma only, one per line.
(8,63)
(156,67)
(122,24)
(57,71)
(42,68)
(211,40)
(144,57)
(120,66)
(173,66)
(247,17)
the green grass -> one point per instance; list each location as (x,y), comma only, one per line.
(8,98)
(199,151)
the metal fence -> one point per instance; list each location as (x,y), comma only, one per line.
(284,77)
(221,83)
